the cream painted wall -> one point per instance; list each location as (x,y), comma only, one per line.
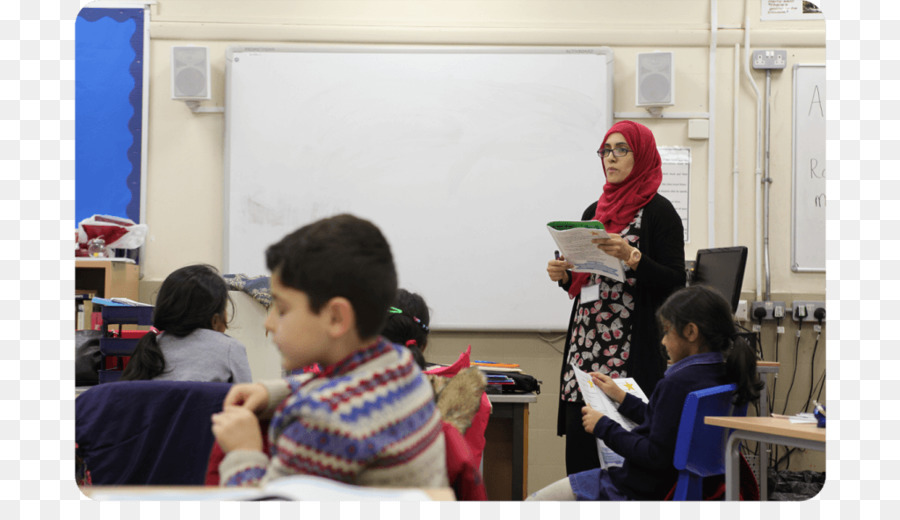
(185,150)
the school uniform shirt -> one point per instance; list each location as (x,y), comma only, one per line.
(204,355)
(368,420)
(648,472)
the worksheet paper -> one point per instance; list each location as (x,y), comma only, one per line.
(598,400)
(573,238)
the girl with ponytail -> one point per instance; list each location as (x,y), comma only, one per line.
(187,340)
(407,324)
(700,338)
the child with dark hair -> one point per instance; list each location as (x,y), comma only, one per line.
(458,393)
(700,338)
(368,418)
(187,340)
(407,324)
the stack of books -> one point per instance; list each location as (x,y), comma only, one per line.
(496,372)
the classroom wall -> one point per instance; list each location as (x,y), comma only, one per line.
(184,202)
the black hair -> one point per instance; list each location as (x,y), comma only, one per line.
(409,327)
(342,256)
(188,300)
(706,308)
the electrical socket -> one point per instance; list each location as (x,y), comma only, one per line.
(741,313)
(778,310)
(810,307)
(773,310)
(769,59)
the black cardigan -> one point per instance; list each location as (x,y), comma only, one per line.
(659,273)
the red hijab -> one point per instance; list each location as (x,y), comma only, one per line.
(620,202)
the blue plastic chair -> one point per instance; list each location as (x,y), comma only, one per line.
(700,448)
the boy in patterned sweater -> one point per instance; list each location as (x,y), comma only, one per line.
(369,417)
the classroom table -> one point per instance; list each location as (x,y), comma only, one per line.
(764,369)
(506,448)
(157,493)
(773,430)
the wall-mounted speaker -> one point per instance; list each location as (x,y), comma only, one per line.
(190,72)
(655,79)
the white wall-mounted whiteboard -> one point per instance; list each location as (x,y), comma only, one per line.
(808,203)
(460,155)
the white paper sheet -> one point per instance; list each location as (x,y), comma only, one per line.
(577,248)
(598,400)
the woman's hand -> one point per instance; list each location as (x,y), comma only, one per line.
(252,396)
(615,246)
(609,387)
(557,269)
(236,428)
(589,418)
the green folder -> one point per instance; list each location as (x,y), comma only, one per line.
(562,225)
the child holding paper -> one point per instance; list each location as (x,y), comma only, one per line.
(369,417)
(700,338)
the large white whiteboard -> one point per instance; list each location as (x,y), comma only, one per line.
(460,155)
(808,203)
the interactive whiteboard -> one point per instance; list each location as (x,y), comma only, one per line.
(460,155)
(808,204)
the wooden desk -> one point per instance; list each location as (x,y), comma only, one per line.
(157,493)
(764,369)
(108,278)
(762,429)
(506,447)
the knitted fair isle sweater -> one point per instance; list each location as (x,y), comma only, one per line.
(368,420)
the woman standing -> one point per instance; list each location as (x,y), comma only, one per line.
(612,329)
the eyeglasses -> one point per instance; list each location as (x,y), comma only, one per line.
(617,152)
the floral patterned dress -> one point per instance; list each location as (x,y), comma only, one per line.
(601,334)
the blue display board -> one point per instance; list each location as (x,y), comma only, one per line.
(109,56)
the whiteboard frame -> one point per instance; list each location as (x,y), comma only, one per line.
(795,266)
(234,50)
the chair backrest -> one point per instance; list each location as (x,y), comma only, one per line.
(147,432)
(700,448)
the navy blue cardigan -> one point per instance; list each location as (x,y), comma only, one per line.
(649,449)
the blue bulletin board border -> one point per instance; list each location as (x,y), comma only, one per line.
(108,139)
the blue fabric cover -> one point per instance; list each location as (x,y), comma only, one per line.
(147,432)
